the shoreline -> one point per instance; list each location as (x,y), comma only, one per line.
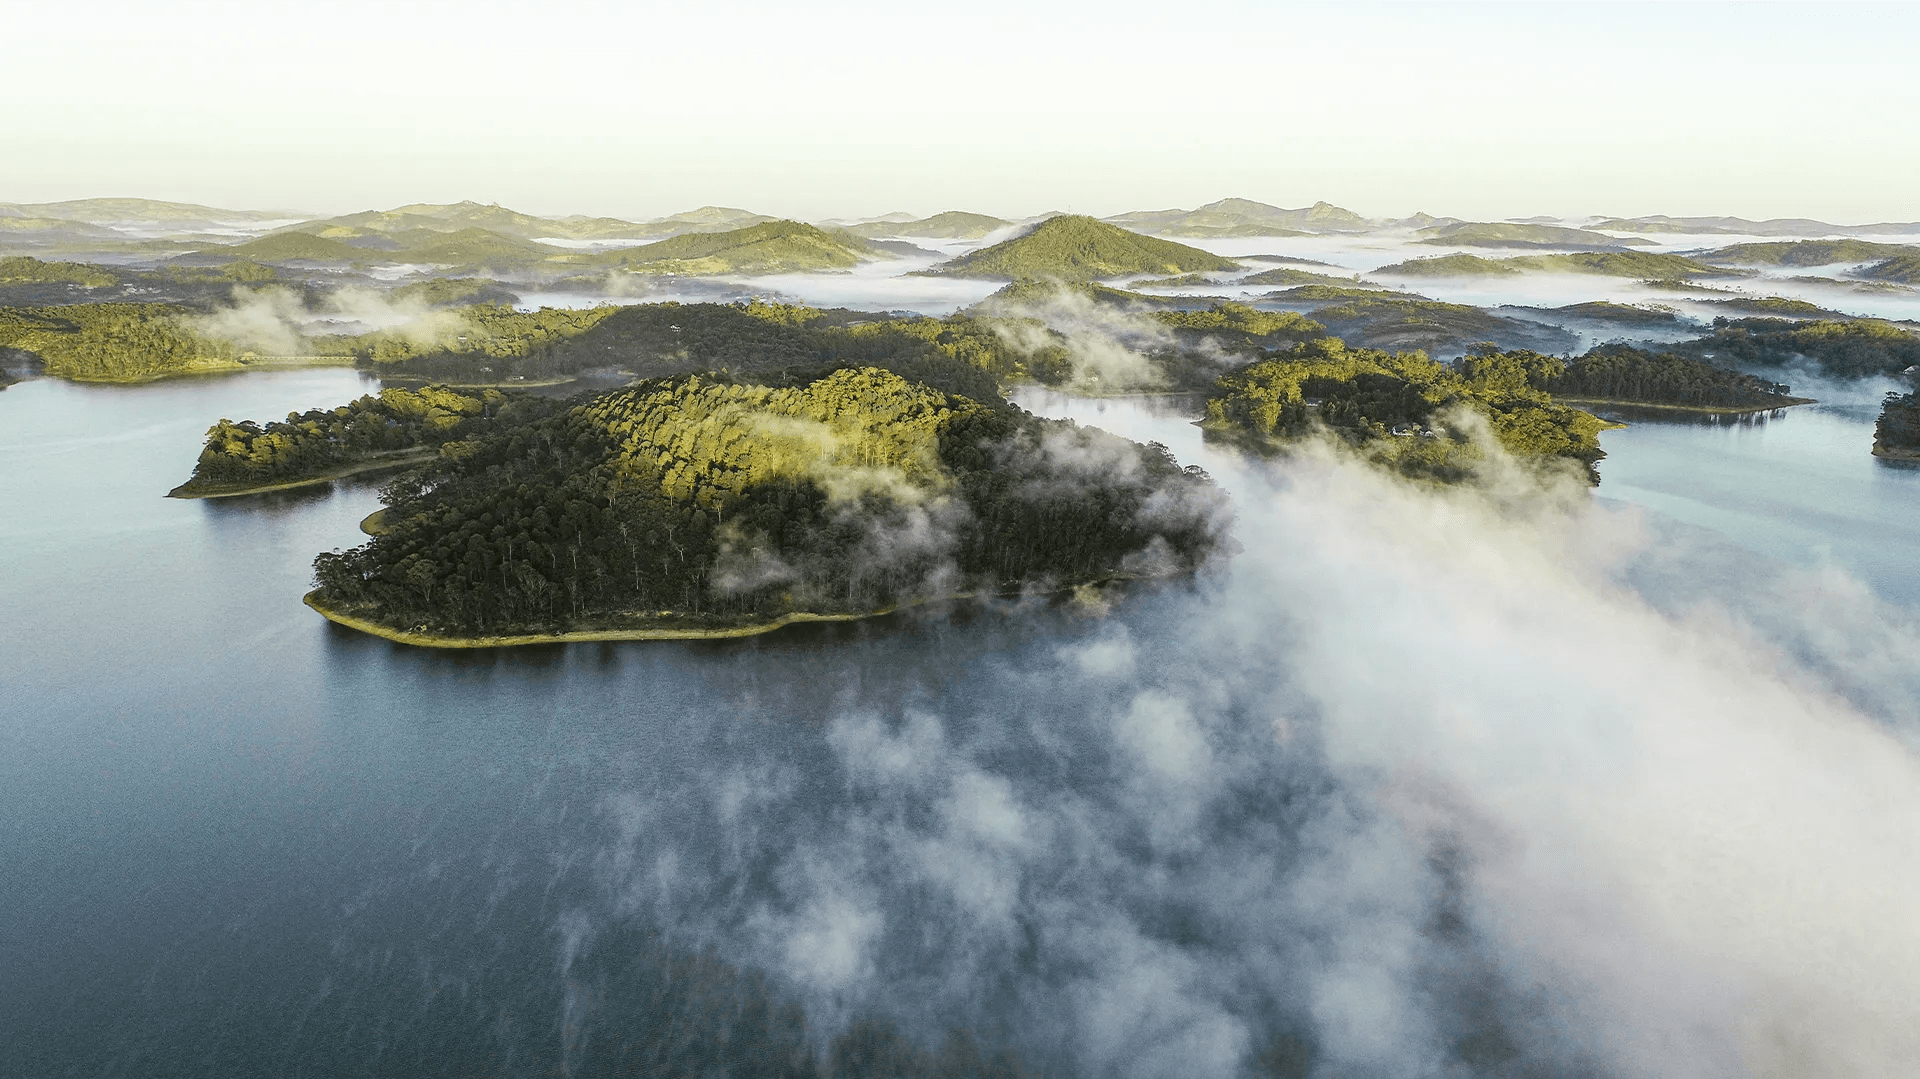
(422,639)
(531,383)
(1896,454)
(1709,410)
(405,459)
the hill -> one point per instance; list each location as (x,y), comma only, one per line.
(1075,248)
(1244,217)
(1622,375)
(1398,409)
(1640,264)
(1902,268)
(1779,226)
(467,246)
(1850,349)
(293,247)
(708,219)
(767,248)
(693,506)
(1806,253)
(1401,321)
(1519,234)
(113,210)
(951,225)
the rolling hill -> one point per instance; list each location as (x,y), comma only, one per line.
(766,248)
(1243,217)
(951,225)
(1520,234)
(1807,253)
(1074,248)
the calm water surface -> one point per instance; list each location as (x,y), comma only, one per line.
(237,840)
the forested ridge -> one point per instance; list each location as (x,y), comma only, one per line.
(1621,373)
(1401,410)
(320,442)
(701,502)
(114,342)
(1849,349)
(1075,248)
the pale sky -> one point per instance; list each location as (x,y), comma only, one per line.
(816,110)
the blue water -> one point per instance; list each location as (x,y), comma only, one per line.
(237,840)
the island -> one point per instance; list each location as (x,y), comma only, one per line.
(1404,411)
(1852,348)
(703,506)
(398,428)
(1618,374)
(1896,434)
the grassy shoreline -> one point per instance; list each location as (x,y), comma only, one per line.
(402,459)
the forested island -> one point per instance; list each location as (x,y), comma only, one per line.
(396,428)
(1849,349)
(699,506)
(1896,435)
(1404,411)
(1618,374)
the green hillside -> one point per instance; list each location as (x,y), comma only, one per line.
(951,225)
(469,245)
(1640,264)
(1625,314)
(1396,408)
(1519,234)
(689,504)
(1902,268)
(294,247)
(768,248)
(1075,248)
(1807,253)
(1452,266)
(708,219)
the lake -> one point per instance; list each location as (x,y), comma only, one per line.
(1176,838)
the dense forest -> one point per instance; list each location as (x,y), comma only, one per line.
(1393,320)
(1897,432)
(322,442)
(961,353)
(1849,349)
(700,502)
(1075,248)
(1399,409)
(766,248)
(1619,373)
(114,342)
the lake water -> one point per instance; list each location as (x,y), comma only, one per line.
(235,839)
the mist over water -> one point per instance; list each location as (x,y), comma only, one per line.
(1512,783)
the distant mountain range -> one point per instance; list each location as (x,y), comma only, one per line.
(1740,226)
(1243,217)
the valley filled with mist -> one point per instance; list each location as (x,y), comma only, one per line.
(1230,641)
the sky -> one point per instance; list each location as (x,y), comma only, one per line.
(839,109)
